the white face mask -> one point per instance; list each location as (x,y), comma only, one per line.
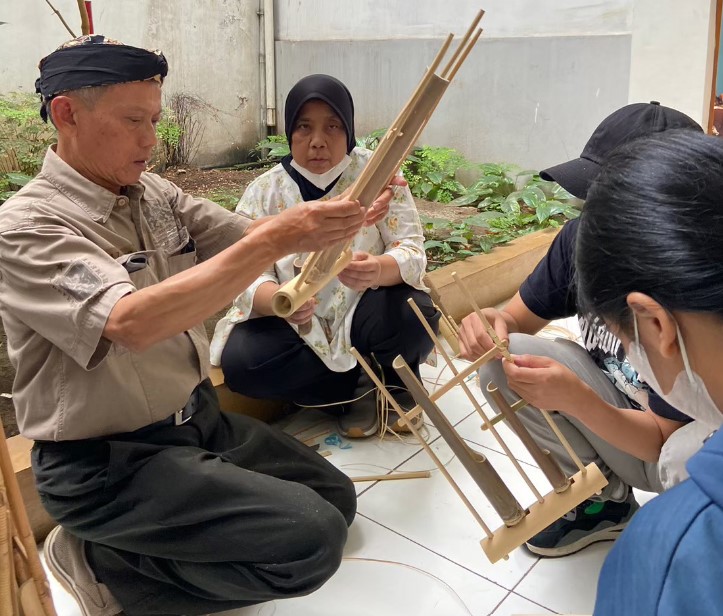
(689,394)
(322,180)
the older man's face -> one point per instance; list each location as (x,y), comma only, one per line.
(115,138)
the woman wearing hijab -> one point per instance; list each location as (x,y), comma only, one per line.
(264,356)
(657,281)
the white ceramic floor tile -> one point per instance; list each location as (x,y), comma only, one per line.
(566,585)
(514,605)
(429,512)
(368,539)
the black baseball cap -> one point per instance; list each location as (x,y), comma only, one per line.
(621,126)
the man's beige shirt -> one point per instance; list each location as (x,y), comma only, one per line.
(69,250)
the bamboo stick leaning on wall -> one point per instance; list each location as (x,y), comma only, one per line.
(321,267)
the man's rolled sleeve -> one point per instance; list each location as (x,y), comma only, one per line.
(61,286)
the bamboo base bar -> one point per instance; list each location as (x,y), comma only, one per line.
(541,515)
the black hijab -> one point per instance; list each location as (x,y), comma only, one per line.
(335,94)
(94,60)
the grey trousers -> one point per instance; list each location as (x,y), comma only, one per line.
(218,513)
(621,469)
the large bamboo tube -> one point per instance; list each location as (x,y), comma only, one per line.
(548,465)
(476,464)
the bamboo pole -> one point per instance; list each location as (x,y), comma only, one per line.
(473,400)
(22,526)
(84,21)
(392,476)
(476,464)
(548,465)
(438,463)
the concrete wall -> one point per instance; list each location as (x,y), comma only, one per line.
(672,54)
(212,49)
(540,79)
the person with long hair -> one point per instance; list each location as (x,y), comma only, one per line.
(649,261)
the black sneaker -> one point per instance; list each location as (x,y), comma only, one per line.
(588,523)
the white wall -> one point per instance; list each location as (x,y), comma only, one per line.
(212,48)
(672,54)
(541,78)
(381,19)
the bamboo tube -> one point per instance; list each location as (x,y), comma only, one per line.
(515,406)
(392,476)
(84,22)
(565,443)
(20,518)
(465,54)
(438,463)
(473,400)
(286,301)
(476,464)
(548,465)
(7,570)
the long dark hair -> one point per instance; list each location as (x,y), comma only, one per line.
(653,223)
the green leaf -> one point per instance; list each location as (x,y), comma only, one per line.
(543,211)
(482,219)
(433,244)
(457,239)
(486,244)
(18,179)
(467,199)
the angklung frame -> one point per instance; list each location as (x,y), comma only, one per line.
(519,524)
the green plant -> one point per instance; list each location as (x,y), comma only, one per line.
(227,200)
(272,149)
(371,141)
(24,139)
(431,173)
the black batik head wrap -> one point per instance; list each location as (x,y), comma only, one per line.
(91,61)
(335,94)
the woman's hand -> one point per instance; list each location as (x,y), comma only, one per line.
(304,313)
(380,208)
(474,341)
(363,272)
(547,384)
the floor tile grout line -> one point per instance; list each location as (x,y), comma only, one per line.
(496,607)
(535,602)
(428,549)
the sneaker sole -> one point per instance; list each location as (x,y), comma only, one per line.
(400,426)
(609,534)
(66,582)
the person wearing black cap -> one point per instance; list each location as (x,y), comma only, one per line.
(607,413)
(166,505)
(365,307)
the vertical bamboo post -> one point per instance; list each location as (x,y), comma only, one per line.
(20,518)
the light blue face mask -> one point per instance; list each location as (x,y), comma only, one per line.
(689,394)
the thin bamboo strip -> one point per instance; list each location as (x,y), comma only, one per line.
(392,476)
(463,42)
(465,54)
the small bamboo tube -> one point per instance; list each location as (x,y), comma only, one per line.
(438,463)
(393,476)
(20,518)
(449,334)
(548,465)
(477,465)
(473,400)
(7,570)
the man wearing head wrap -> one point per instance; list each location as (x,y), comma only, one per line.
(165,504)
